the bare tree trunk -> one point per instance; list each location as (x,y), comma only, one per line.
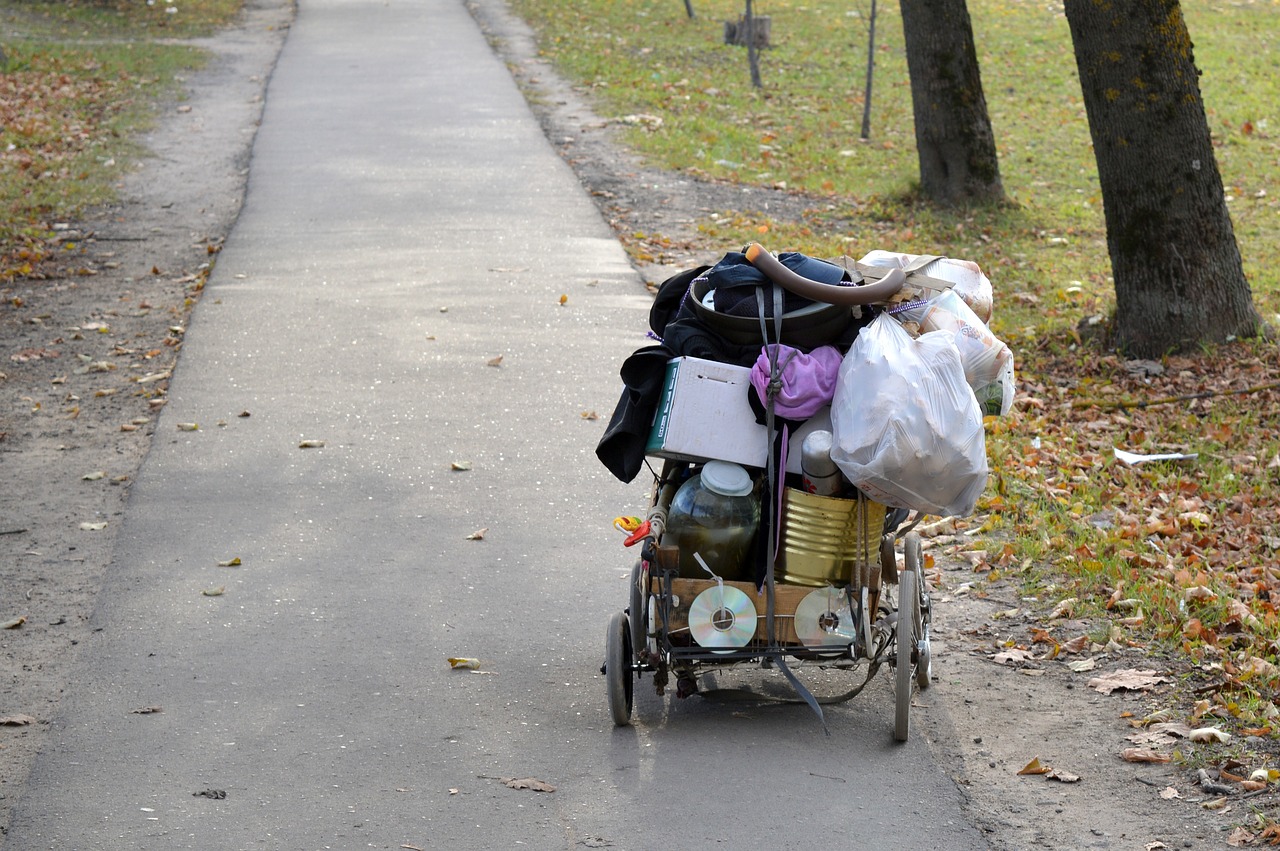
(871,67)
(1178,274)
(753,54)
(954,141)
(688,8)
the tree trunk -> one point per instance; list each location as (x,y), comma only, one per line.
(871,69)
(954,141)
(1178,274)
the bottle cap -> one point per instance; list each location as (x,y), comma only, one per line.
(726,478)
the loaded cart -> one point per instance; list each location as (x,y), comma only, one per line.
(758,547)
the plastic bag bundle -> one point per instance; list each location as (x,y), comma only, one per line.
(906,429)
(987,361)
(966,276)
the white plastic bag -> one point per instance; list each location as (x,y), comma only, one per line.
(906,429)
(987,361)
(966,276)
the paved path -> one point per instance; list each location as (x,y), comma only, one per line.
(406,225)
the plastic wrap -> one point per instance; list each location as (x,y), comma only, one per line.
(966,276)
(987,361)
(906,427)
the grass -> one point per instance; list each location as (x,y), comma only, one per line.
(1180,557)
(81,81)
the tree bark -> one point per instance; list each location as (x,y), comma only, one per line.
(1178,274)
(954,142)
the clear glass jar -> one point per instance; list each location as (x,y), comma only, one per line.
(715,514)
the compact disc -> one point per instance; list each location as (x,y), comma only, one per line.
(722,617)
(824,618)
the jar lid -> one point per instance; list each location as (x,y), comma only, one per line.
(726,478)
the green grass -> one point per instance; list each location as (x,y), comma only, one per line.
(801,129)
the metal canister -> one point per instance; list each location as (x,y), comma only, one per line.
(819,473)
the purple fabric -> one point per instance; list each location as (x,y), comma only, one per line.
(808,380)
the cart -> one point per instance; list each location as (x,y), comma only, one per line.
(685,628)
(835,598)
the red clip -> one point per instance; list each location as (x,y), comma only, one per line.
(641,532)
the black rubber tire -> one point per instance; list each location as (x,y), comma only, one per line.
(617,668)
(638,610)
(913,552)
(905,636)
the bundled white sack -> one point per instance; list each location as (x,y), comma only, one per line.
(906,429)
(973,286)
(987,361)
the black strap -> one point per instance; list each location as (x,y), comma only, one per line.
(775,479)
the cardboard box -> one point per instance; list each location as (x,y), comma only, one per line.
(704,415)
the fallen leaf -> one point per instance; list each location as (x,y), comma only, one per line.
(93,527)
(1062,776)
(1215,804)
(564,299)
(1076,645)
(460,466)
(451,792)
(1064,609)
(463,662)
(1143,755)
(1034,767)
(528,783)
(1209,734)
(1128,678)
(214,592)
(1252,785)
(311,444)
(1172,728)
(231,562)
(1169,793)
(147,710)
(14,623)
(495,361)
(1082,665)
(478,535)
(188,427)
(16,720)
(1199,592)
(1013,655)
(590,415)
(1240,837)
(93,477)
(1265,775)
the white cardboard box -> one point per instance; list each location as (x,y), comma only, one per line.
(704,415)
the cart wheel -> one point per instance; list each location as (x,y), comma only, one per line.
(913,551)
(617,668)
(638,610)
(908,617)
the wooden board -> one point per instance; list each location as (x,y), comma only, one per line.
(786,598)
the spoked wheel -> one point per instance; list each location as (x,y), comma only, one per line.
(913,553)
(905,636)
(617,668)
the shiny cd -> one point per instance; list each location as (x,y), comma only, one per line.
(722,617)
(824,618)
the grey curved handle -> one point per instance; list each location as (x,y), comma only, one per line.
(773,269)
